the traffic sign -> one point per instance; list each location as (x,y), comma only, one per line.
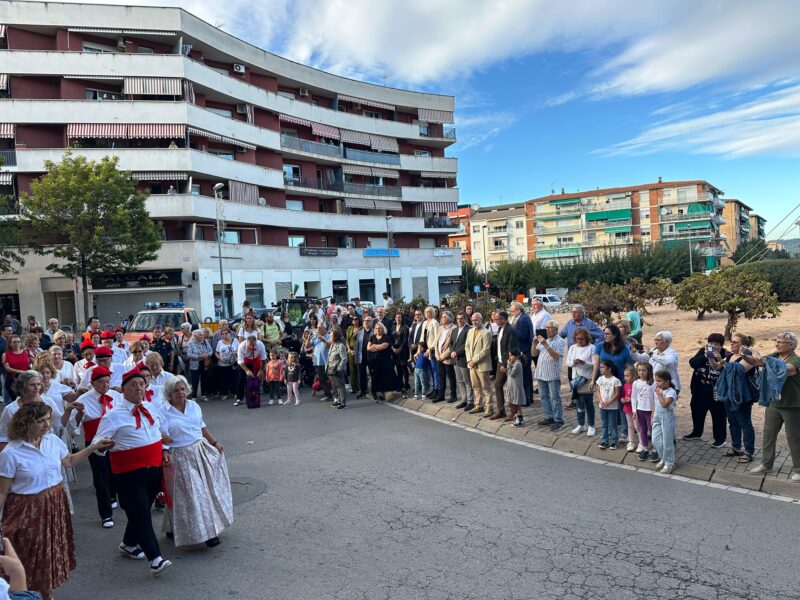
(476,288)
(487,285)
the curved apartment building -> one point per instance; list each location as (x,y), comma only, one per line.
(331,186)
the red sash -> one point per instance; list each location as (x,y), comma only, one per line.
(90,429)
(254,364)
(123,461)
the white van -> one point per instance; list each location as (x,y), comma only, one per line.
(551,302)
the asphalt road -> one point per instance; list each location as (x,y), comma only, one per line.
(375,503)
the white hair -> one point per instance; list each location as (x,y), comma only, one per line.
(666,336)
(788,335)
(554,323)
(169,385)
(579,308)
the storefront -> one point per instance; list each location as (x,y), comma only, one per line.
(117,295)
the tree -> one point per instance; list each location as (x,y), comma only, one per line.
(470,276)
(511,276)
(12,256)
(90,218)
(735,292)
(756,250)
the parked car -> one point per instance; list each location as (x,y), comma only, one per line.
(166,314)
(551,302)
(236,320)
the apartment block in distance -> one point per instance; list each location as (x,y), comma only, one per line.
(462,240)
(331,185)
(758,226)
(498,234)
(584,225)
(738,229)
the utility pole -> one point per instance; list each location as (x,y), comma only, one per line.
(218,198)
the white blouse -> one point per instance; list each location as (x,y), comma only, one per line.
(643,396)
(31,469)
(67,371)
(185,428)
(11,409)
(584,353)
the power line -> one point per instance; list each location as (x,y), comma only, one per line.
(778,224)
(762,253)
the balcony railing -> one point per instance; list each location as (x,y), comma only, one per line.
(559,229)
(599,206)
(440,223)
(373,157)
(558,245)
(607,242)
(566,211)
(688,234)
(694,216)
(8,206)
(294,143)
(8,158)
(714,251)
(449,133)
(498,249)
(343,187)
(498,231)
(604,224)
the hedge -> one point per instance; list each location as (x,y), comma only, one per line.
(783,274)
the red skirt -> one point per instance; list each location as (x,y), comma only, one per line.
(40,528)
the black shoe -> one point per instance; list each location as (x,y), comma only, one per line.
(452,400)
(461,405)
(556,426)
(361,396)
(546,422)
(215,541)
(469,407)
(692,436)
(341,406)
(571,405)
(436,399)
(170,535)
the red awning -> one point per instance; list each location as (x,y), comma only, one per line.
(435,116)
(440,207)
(245,193)
(97,130)
(355,137)
(295,120)
(366,102)
(7,130)
(387,144)
(323,130)
(156,130)
(220,138)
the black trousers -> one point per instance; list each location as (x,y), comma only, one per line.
(499,381)
(103,482)
(362,377)
(226,379)
(701,405)
(323,381)
(527,379)
(447,378)
(137,490)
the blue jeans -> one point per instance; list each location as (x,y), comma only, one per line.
(608,416)
(435,369)
(585,404)
(421,385)
(622,422)
(664,434)
(550,392)
(741,425)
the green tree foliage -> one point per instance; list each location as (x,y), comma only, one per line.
(784,275)
(12,253)
(484,304)
(512,276)
(470,276)
(89,217)
(755,251)
(734,292)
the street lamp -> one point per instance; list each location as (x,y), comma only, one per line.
(218,199)
(389,253)
(485,260)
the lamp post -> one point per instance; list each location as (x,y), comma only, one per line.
(485,260)
(218,200)
(389,253)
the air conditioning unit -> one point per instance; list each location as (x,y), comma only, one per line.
(262,201)
(238,68)
(302,92)
(240,149)
(241,109)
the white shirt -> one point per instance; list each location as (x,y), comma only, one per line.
(499,351)
(119,424)
(540,319)
(157,386)
(607,385)
(243,352)
(67,371)
(185,428)
(31,469)
(56,394)
(92,409)
(80,369)
(120,354)
(227,352)
(643,396)
(584,353)
(666,361)
(116,377)
(11,409)
(387,302)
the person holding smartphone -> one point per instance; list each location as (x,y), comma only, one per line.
(706,365)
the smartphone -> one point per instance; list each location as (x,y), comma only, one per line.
(542,332)
(747,352)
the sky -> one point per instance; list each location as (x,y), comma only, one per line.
(579,94)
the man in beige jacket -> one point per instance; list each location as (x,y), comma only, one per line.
(479,363)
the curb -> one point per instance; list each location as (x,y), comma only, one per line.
(583,448)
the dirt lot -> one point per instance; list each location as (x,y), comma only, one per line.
(689,335)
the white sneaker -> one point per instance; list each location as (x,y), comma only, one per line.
(204,399)
(591,432)
(271,401)
(667,469)
(659,465)
(237,403)
(296,402)
(280,401)
(416,396)
(631,446)
(759,470)
(640,448)
(794,476)
(578,429)
(348,388)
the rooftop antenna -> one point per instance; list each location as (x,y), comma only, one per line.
(385,77)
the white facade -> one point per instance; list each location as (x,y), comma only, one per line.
(498,234)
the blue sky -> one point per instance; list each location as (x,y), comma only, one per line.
(576,94)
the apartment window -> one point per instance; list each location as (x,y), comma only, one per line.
(476,229)
(645,232)
(323,241)
(231,237)
(294,204)
(315,102)
(476,245)
(520,241)
(287,95)
(226,154)
(565,240)
(291,173)
(297,241)
(422,153)
(195,189)
(342,108)
(144,50)
(93,48)
(255,293)
(683,194)
(424,130)
(219,70)
(372,114)
(292,133)
(644,214)
(519,224)
(220,111)
(499,244)
(103,95)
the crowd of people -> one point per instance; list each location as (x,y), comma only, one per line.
(136,405)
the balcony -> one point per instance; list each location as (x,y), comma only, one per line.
(719,219)
(558,246)
(498,230)
(714,251)
(688,234)
(8,206)
(430,194)
(694,216)
(372,157)
(607,242)
(343,187)
(440,223)
(501,248)
(547,212)
(606,224)
(8,158)
(600,206)
(293,143)
(560,229)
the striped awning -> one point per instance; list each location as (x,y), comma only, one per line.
(355,137)
(437,175)
(388,205)
(244,193)
(250,113)
(435,116)
(97,130)
(7,130)
(359,203)
(3,82)
(379,142)
(156,130)
(160,176)
(96,77)
(153,86)
(295,120)
(188,91)
(220,138)
(366,102)
(390,173)
(119,31)
(327,131)
(357,170)
(6,178)
(439,207)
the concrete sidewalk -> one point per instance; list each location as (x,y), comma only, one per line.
(696,459)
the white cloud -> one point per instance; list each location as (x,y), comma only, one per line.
(770,124)
(476,130)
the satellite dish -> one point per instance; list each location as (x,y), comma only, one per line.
(262,201)
(584,201)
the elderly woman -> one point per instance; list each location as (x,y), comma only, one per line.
(199,505)
(136,356)
(64,370)
(225,371)
(351,340)
(381,366)
(337,367)
(580,358)
(61,395)
(35,508)
(32,348)
(663,357)
(707,363)
(15,362)
(199,355)
(318,343)
(182,345)
(27,390)
(786,410)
